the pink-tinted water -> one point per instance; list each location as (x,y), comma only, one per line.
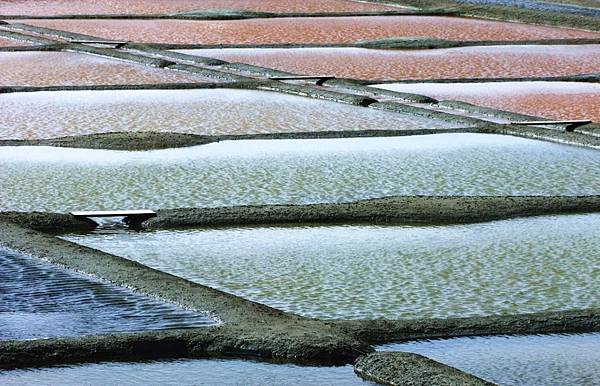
(5,42)
(555,100)
(468,62)
(206,111)
(307,30)
(66,68)
(140,7)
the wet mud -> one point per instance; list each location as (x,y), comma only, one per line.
(390,210)
(398,368)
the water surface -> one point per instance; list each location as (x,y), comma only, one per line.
(292,171)
(6,42)
(41,300)
(555,100)
(529,360)
(465,62)
(315,30)
(205,112)
(185,372)
(68,68)
(502,267)
(140,7)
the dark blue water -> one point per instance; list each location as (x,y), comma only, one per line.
(185,372)
(41,300)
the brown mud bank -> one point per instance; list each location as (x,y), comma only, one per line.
(398,210)
(408,369)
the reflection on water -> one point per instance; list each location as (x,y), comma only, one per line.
(292,171)
(557,100)
(185,372)
(465,62)
(68,68)
(307,29)
(208,112)
(41,300)
(512,266)
(530,360)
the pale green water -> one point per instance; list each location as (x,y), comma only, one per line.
(528,360)
(292,171)
(184,372)
(41,300)
(503,267)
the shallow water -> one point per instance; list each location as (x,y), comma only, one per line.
(465,62)
(501,267)
(207,112)
(529,360)
(292,171)
(544,6)
(184,372)
(307,30)
(6,42)
(68,68)
(556,100)
(140,7)
(42,300)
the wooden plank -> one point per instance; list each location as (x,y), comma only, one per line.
(571,125)
(116,44)
(565,122)
(114,213)
(320,78)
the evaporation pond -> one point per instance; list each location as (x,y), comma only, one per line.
(207,112)
(464,62)
(41,300)
(185,372)
(502,267)
(144,7)
(306,30)
(6,42)
(554,100)
(73,69)
(526,360)
(292,171)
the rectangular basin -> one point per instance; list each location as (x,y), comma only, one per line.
(315,30)
(254,172)
(203,111)
(452,63)
(186,372)
(528,360)
(6,42)
(554,100)
(68,69)
(143,7)
(40,300)
(396,272)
